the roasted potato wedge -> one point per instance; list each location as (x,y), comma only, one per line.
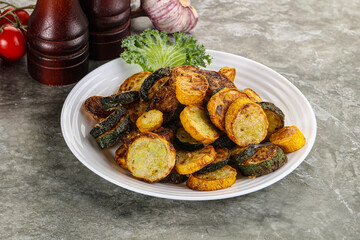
(150,157)
(289,139)
(191,88)
(175,71)
(229,72)
(219,104)
(246,122)
(149,121)
(252,95)
(198,125)
(134,82)
(190,162)
(223,178)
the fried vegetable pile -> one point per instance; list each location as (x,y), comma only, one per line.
(185,124)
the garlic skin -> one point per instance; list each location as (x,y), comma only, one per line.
(171,15)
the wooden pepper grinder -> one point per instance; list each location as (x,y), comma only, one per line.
(58,42)
(109,24)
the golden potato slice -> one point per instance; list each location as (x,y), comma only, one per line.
(150,157)
(134,82)
(191,88)
(175,71)
(198,125)
(229,72)
(222,178)
(246,122)
(289,139)
(149,121)
(219,104)
(190,162)
(252,95)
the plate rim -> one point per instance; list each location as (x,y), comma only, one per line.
(100,68)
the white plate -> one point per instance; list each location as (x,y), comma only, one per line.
(106,79)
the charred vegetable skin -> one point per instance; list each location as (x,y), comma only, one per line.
(108,122)
(267,159)
(174,177)
(222,158)
(240,154)
(150,81)
(275,116)
(185,141)
(112,102)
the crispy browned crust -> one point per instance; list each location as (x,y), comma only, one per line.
(92,105)
(252,95)
(133,83)
(175,71)
(219,104)
(211,181)
(230,73)
(216,80)
(157,86)
(120,156)
(166,133)
(191,88)
(136,109)
(165,101)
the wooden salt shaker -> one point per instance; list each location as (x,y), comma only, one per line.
(109,24)
(58,42)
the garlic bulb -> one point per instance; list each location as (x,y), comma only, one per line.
(169,15)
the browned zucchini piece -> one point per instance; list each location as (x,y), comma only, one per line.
(190,162)
(150,121)
(134,82)
(222,178)
(252,95)
(185,141)
(120,154)
(216,80)
(174,177)
(166,133)
(150,157)
(108,123)
(191,88)
(92,105)
(112,102)
(175,71)
(289,139)
(157,86)
(224,141)
(246,122)
(198,125)
(136,109)
(275,116)
(240,154)
(110,137)
(165,101)
(151,80)
(229,72)
(219,104)
(267,159)
(222,158)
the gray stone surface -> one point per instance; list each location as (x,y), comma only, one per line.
(46,193)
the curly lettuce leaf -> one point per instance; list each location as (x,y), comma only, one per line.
(153,49)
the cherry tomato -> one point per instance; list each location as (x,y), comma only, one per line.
(12,44)
(22,14)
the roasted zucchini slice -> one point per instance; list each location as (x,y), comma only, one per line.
(252,95)
(198,125)
(216,80)
(149,121)
(136,109)
(275,116)
(224,141)
(266,159)
(128,138)
(185,141)
(157,86)
(150,157)
(92,105)
(289,139)
(110,137)
(120,154)
(191,88)
(112,102)
(240,154)
(222,158)
(219,104)
(222,178)
(175,71)
(166,133)
(134,82)
(174,177)
(106,124)
(190,162)
(150,81)
(229,72)
(165,101)
(246,122)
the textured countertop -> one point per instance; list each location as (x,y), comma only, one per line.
(46,193)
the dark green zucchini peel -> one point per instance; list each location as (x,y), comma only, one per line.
(224,141)
(240,154)
(174,177)
(185,141)
(267,159)
(151,80)
(110,137)
(222,158)
(275,116)
(101,127)
(112,102)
